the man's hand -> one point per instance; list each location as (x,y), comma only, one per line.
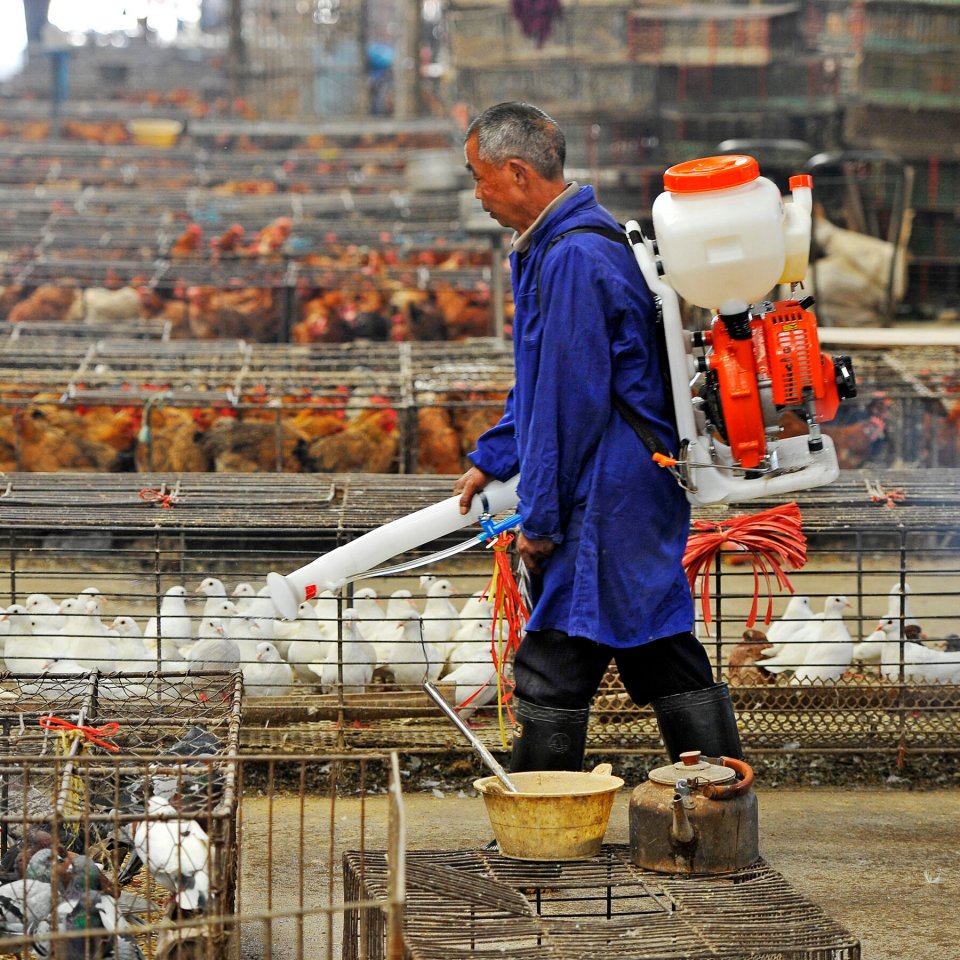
(471,483)
(534,552)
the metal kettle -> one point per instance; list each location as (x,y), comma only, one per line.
(695,816)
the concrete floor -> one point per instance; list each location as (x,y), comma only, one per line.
(881,861)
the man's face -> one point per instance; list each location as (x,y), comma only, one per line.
(495,187)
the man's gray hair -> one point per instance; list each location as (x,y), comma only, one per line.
(516,129)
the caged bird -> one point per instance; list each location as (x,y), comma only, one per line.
(782,631)
(311,644)
(831,650)
(175,622)
(920,664)
(411,659)
(268,675)
(176,852)
(213,590)
(353,659)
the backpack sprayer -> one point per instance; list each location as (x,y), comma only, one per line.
(724,239)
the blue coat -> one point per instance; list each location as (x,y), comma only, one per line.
(587,482)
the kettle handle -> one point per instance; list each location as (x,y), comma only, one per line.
(722,791)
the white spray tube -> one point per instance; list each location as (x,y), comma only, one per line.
(334,569)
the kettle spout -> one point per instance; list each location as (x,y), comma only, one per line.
(681,830)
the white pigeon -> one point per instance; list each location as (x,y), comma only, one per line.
(870,648)
(910,622)
(358,659)
(327,606)
(399,603)
(88,642)
(793,653)
(244,594)
(268,675)
(214,650)
(474,677)
(441,619)
(176,852)
(54,683)
(25,651)
(132,655)
(174,619)
(411,658)
(476,607)
(213,589)
(784,630)
(920,664)
(372,619)
(832,650)
(46,613)
(311,645)
(479,630)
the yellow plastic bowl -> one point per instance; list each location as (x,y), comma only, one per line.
(155,133)
(555,816)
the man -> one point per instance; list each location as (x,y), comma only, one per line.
(604,528)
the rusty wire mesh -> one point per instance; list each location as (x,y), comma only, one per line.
(475,904)
(65,533)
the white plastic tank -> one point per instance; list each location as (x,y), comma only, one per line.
(722,234)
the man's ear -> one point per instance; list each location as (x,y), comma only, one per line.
(519,171)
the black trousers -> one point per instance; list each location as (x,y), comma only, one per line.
(553,669)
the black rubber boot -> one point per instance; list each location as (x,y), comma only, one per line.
(699,720)
(548,738)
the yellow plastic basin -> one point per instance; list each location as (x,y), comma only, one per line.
(155,133)
(557,815)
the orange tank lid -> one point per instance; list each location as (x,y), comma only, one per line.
(711,173)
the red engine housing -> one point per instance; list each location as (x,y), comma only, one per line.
(782,354)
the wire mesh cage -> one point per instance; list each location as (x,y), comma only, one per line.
(118,809)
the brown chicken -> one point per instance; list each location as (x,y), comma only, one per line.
(272,238)
(250,313)
(45,305)
(742,661)
(116,428)
(188,243)
(438,444)
(46,447)
(368,444)
(471,420)
(169,441)
(228,241)
(240,447)
(313,423)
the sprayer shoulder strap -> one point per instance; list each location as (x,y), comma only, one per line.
(639,425)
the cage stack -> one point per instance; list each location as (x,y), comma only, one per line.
(119,804)
(903,61)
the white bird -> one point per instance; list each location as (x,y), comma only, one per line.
(399,604)
(213,651)
(911,625)
(244,593)
(46,613)
(327,606)
(479,630)
(25,651)
(176,852)
(793,653)
(312,644)
(920,664)
(358,658)
(830,654)
(57,670)
(441,619)
(372,620)
(131,652)
(268,675)
(476,607)
(214,590)
(474,677)
(174,619)
(784,630)
(88,642)
(870,648)
(412,659)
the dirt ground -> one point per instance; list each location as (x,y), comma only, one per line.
(882,861)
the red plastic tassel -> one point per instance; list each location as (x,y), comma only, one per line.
(772,541)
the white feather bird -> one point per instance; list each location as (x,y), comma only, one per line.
(474,677)
(213,651)
(441,619)
(312,643)
(269,675)
(176,852)
(46,613)
(358,658)
(832,650)
(86,640)
(921,664)
(412,658)
(898,592)
(790,624)
(26,651)
(244,594)
(213,589)
(175,621)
